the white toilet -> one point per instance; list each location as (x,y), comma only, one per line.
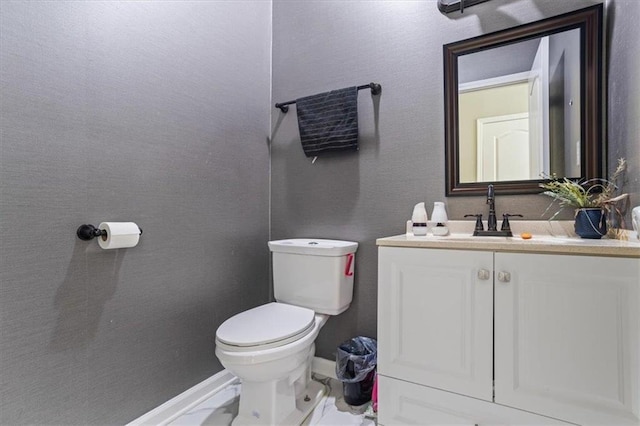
(271,347)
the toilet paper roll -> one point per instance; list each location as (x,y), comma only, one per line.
(119,235)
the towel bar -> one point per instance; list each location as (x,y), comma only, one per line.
(376,89)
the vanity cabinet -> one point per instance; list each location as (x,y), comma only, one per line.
(472,337)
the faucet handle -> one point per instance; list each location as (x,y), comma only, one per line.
(479,225)
(505,221)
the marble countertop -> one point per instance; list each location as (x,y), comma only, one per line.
(547,237)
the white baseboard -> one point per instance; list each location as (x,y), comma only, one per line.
(324,366)
(180,404)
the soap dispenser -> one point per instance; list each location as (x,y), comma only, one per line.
(439,216)
(419,219)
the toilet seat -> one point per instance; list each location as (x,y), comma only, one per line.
(267,326)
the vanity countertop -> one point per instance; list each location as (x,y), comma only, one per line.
(547,237)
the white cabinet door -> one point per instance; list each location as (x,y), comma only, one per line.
(403,403)
(435,318)
(566,336)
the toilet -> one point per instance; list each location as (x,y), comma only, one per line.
(271,347)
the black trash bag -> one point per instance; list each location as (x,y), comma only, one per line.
(356,361)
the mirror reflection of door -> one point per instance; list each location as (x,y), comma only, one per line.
(537,77)
(539,111)
(564,104)
(504,96)
(503,148)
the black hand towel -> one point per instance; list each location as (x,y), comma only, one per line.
(329,121)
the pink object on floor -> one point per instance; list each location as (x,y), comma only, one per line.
(374,394)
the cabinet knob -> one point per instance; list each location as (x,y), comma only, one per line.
(484,274)
(504,277)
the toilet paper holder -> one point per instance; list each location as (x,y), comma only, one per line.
(89,232)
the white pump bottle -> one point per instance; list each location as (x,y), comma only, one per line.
(419,219)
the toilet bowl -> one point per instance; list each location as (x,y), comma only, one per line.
(274,365)
(271,347)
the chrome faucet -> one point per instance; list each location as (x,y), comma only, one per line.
(492,223)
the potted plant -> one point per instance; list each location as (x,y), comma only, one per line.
(591,199)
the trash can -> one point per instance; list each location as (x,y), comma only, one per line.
(356,361)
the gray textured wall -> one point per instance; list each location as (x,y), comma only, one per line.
(324,45)
(155,112)
(624,91)
(158,112)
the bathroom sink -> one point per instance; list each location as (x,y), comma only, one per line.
(468,237)
(457,238)
(543,232)
(545,239)
(550,239)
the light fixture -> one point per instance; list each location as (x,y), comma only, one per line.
(448,6)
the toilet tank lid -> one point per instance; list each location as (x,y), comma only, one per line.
(315,247)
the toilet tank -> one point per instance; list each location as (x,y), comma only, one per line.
(314,273)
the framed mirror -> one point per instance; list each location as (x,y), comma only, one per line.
(523,104)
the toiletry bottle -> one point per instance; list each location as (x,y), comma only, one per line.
(409,228)
(439,216)
(419,219)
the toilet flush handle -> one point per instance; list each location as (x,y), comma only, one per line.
(347,270)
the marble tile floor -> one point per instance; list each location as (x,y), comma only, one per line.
(332,410)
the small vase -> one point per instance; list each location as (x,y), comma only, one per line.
(590,223)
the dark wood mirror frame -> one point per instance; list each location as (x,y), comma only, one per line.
(589,21)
